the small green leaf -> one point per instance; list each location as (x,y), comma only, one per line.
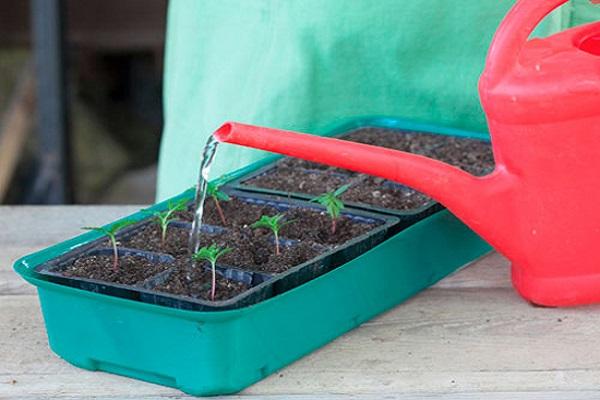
(214,191)
(165,217)
(112,229)
(222,196)
(211,253)
(273,223)
(331,201)
(340,191)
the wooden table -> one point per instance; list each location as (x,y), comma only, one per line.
(469,334)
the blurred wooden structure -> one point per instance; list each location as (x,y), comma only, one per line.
(53,29)
(108,24)
(15,126)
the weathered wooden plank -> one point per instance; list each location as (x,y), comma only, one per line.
(441,341)
(45,225)
(557,395)
(490,271)
(10,282)
(32,228)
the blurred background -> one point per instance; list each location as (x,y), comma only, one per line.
(80,100)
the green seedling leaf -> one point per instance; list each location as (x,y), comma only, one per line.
(332,203)
(111,231)
(164,218)
(274,223)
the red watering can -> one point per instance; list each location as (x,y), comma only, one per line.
(540,207)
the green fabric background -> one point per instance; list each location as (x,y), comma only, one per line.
(305,64)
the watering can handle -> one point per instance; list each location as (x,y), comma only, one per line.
(512,35)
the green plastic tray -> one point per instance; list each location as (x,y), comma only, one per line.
(210,353)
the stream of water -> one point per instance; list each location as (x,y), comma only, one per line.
(208,156)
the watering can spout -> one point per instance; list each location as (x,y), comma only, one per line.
(470,198)
(540,205)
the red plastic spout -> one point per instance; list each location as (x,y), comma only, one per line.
(468,197)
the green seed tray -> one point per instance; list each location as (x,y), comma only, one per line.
(222,352)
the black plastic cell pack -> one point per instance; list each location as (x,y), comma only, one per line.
(261,285)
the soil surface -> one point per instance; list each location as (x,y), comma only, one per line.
(299,180)
(256,251)
(471,155)
(317,227)
(197,283)
(132,269)
(314,225)
(300,176)
(237,213)
(306,236)
(149,238)
(253,249)
(295,163)
(386,194)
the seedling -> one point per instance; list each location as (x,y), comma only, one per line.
(273,223)
(211,254)
(111,232)
(214,191)
(164,218)
(333,204)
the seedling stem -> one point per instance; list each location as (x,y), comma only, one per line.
(214,191)
(211,254)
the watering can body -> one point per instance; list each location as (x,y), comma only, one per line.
(540,207)
(542,102)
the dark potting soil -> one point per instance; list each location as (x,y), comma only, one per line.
(473,156)
(363,189)
(149,238)
(299,180)
(307,224)
(299,163)
(237,213)
(318,227)
(307,236)
(197,282)
(382,193)
(256,251)
(132,269)
(253,249)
